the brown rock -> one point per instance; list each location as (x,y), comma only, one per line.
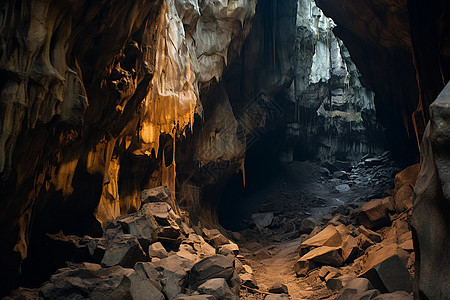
(372,235)
(308,225)
(385,267)
(403,198)
(388,202)
(364,242)
(373,214)
(407,177)
(216,266)
(248,280)
(325,255)
(158,194)
(302,267)
(350,248)
(337,283)
(327,237)
(354,287)
(278,288)
(124,250)
(325,270)
(157,250)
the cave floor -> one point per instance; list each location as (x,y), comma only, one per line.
(297,191)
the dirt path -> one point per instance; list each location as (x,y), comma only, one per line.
(278,268)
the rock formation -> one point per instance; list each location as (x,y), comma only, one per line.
(93,97)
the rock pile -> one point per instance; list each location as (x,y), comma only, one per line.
(367,254)
(150,254)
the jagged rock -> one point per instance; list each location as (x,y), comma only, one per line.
(157,250)
(342,188)
(308,225)
(329,236)
(140,226)
(302,267)
(350,248)
(136,287)
(227,249)
(407,177)
(364,242)
(217,287)
(337,283)
(354,288)
(367,295)
(372,235)
(123,250)
(248,280)
(278,288)
(216,266)
(262,220)
(403,198)
(325,255)
(158,194)
(79,281)
(373,214)
(385,267)
(199,245)
(400,295)
(75,248)
(340,175)
(325,270)
(389,203)
(173,274)
(148,270)
(214,237)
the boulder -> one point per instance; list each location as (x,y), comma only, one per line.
(338,282)
(262,220)
(325,255)
(350,248)
(124,250)
(407,177)
(158,194)
(86,280)
(325,270)
(385,267)
(354,287)
(330,236)
(372,235)
(136,287)
(308,225)
(278,288)
(302,267)
(403,198)
(173,274)
(248,280)
(157,250)
(342,188)
(217,287)
(199,245)
(148,270)
(364,242)
(373,214)
(227,249)
(216,266)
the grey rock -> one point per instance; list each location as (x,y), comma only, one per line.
(217,287)
(216,266)
(158,194)
(173,274)
(262,220)
(278,288)
(342,188)
(399,295)
(123,250)
(157,250)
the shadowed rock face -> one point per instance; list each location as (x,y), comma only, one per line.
(93,97)
(402,49)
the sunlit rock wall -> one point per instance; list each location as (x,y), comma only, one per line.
(335,111)
(94,96)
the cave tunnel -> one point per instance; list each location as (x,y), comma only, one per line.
(221,150)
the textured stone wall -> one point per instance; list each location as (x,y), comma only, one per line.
(94,96)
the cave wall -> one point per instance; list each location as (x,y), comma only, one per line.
(93,97)
(401,48)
